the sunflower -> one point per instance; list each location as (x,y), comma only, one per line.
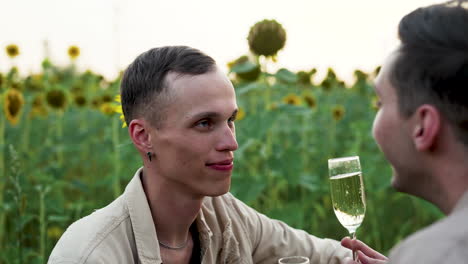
(56,99)
(12,50)
(79,100)
(310,100)
(326,84)
(240,114)
(266,38)
(13,105)
(38,107)
(292,99)
(96,102)
(106,98)
(108,108)
(338,112)
(73,52)
(304,77)
(54,232)
(120,110)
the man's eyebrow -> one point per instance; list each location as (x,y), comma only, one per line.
(209,114)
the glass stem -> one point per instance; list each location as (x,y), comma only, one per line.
(353,237)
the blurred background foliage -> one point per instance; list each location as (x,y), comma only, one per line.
(64,153)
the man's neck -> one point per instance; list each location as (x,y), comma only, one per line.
(173,211)
(451,180)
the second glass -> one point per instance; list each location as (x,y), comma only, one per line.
(347,192)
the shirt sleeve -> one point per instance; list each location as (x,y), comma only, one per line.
(272,239)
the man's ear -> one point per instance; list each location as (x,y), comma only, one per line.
(140,134)
(427,128)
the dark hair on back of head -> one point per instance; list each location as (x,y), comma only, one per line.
(432,63)
(143,82)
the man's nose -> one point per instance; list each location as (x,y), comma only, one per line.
(228,140)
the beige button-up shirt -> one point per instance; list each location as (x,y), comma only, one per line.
(229,232)
(445,241)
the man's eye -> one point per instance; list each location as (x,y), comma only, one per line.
(203,123)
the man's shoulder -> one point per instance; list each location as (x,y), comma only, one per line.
(436,242)
(84,236)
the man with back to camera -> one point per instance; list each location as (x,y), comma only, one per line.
(422,129)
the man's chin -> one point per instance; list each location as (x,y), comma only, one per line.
(220,191)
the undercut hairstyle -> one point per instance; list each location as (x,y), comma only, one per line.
(145,91)
(431,65)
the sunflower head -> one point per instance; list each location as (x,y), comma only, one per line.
(326,84)
(38,106)
(54,232)
(12,50)
(108,108)
(96,102)
(266,38)
(240,114)
(79,100)
(310,100)
(338,112)
(107,98)
(14,102)
(73,52)
(119,110)
(292,99)
(56,99)
(304,77)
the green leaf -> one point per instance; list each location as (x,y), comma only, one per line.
(286,76)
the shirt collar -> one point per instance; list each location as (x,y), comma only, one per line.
(204,231)
(142,220)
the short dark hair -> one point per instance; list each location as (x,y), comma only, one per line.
(431,66)
(144,87)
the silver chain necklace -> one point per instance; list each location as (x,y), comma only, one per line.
(176,247)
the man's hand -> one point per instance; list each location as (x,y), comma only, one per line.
(366,255)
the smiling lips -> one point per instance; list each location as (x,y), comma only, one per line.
(225,165)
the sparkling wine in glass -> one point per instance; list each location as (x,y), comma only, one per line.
(347,192)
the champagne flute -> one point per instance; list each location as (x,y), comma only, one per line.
(347,193)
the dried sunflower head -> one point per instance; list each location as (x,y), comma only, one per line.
(56,99)
(292,99)
(14,102)
(12,50)
(73,52)
(338,112)
(266,37)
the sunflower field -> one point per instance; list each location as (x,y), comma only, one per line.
(65,153)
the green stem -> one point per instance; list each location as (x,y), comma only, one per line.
(42,225)
(59,134)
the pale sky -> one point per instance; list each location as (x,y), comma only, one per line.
(342,34)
